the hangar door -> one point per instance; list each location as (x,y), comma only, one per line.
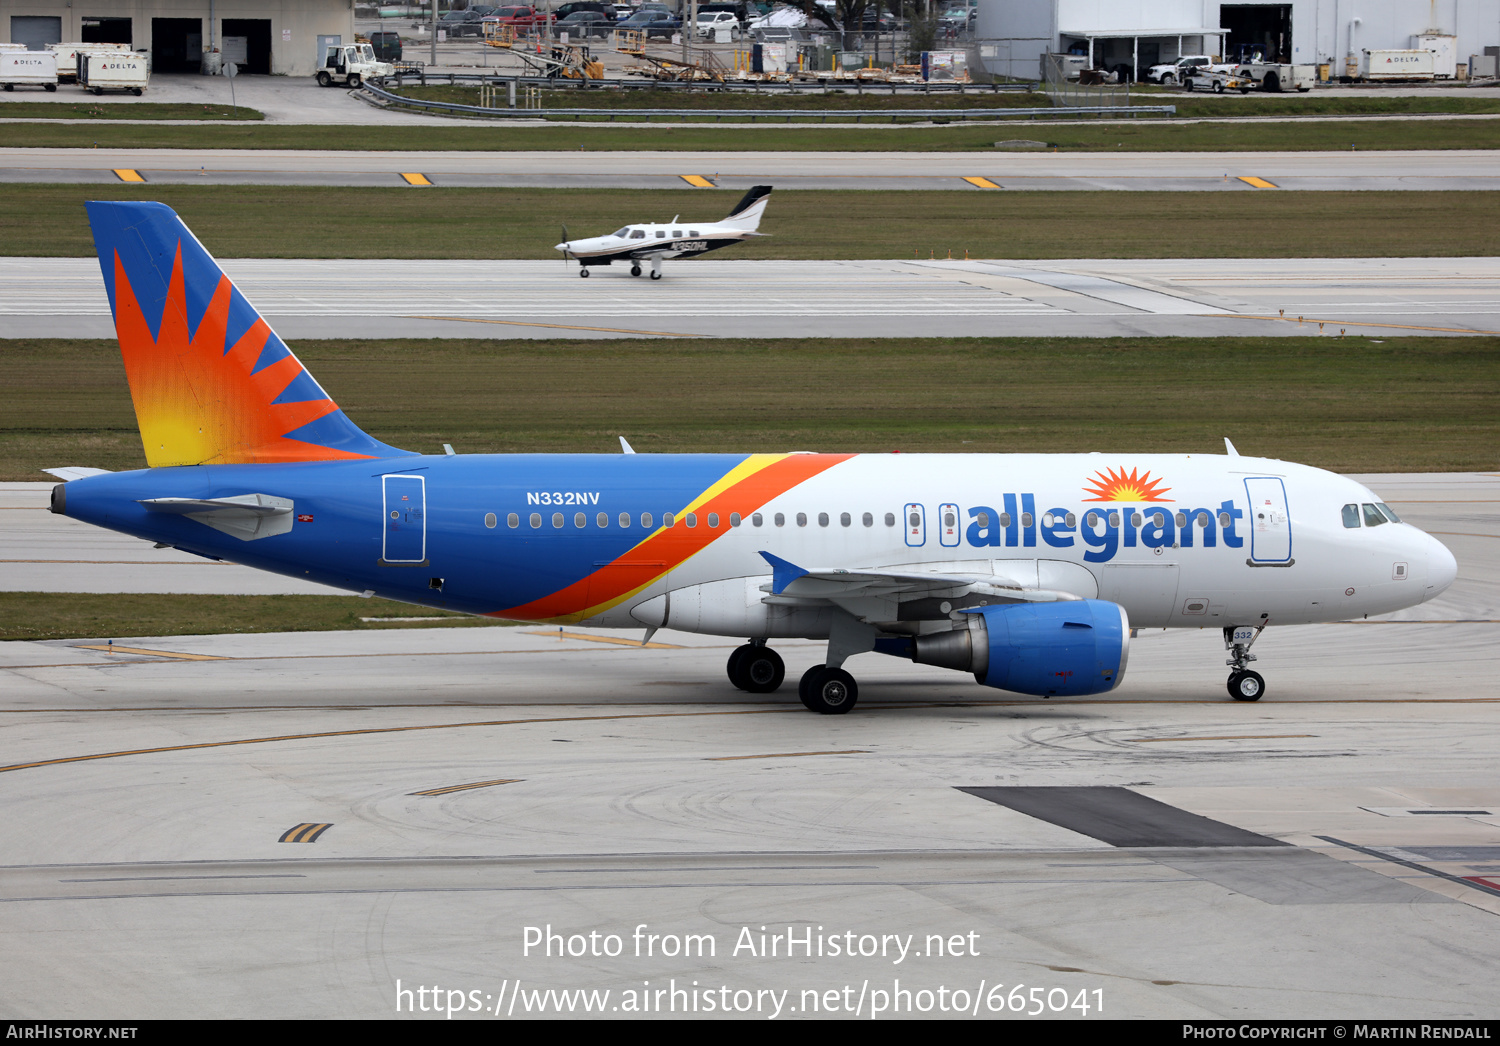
(106,31)
(176,45)
(1266,28)
(35,31)
(256,32)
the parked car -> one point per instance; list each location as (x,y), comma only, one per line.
(581,25)
(520,17)
(386,44)
(574,6)
(653,23)
(461,23)
(710,22)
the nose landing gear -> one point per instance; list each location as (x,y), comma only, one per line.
(1244,685)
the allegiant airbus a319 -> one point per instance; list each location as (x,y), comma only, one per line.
(1026,570)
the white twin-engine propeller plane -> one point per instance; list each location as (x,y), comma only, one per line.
(676,239)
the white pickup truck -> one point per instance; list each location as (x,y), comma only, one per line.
(1172,73)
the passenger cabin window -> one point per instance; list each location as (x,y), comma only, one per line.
(638,234)
(676,233)
(693,233)
(758,520)
(1351,517)
(890,519)
(661,234)
(646,520)
(1373,518)
(780,520)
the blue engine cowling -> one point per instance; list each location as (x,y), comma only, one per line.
(1068,648)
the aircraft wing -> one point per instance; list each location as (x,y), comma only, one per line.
(880,595)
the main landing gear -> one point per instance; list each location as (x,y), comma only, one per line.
(1244,685)
(756,668)
(827,691)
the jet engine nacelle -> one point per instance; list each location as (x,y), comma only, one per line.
(1067,649)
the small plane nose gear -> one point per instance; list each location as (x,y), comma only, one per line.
(635,269)
(1244,685)
(828,691)
(583,270)
(756,668)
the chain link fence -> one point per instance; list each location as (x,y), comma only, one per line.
(1068,86)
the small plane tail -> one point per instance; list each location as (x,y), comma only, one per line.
(211,382)
(746,213)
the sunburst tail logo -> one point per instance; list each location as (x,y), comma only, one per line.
(1134,485)
(211,382)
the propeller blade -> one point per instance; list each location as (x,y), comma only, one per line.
(566,253)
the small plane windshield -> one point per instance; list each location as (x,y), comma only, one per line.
(623,232)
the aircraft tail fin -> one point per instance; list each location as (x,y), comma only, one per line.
(211,382)
(746,213)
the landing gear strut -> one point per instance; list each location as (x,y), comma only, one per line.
(756,668)
(1244,685)
(656,268)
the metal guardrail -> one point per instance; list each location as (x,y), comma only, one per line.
(420,75)
(850,115)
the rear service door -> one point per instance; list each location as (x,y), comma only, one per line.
(405,520)
(1270,521)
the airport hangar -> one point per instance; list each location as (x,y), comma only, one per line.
(1012,35)
(283,37)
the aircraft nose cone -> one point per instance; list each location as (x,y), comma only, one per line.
(1442,568)
(560,247)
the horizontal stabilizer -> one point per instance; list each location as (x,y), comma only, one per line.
(69,473)
(244,516)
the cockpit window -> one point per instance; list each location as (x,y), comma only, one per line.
(1351,516)
(1388,513)
(1373,518)
(623,232)
(638,234)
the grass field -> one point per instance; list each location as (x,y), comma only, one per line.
(71,615)
(1356,405)
(1085,135)
(123,111)
(342,222)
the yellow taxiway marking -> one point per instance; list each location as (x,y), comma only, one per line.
(1225,737)
(465,788)
(304,833)
(784,755)
(113,649)
(558,326)
(1308,320)
(1257,183)
(981,183)
(416,179)
(614,640)
(125,174)
(697,181)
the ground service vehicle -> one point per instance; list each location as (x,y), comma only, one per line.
(1278,76)
(1026,571)
(351,65)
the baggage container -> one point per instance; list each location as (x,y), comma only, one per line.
(1396,65)
(28,69)
(113,71)
(67,57)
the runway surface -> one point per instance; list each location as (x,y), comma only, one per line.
(1462,170)
(309,825)
(64,297)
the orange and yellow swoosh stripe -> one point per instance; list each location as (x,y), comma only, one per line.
(743,489)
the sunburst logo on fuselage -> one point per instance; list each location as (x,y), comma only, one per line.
(1134,485)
